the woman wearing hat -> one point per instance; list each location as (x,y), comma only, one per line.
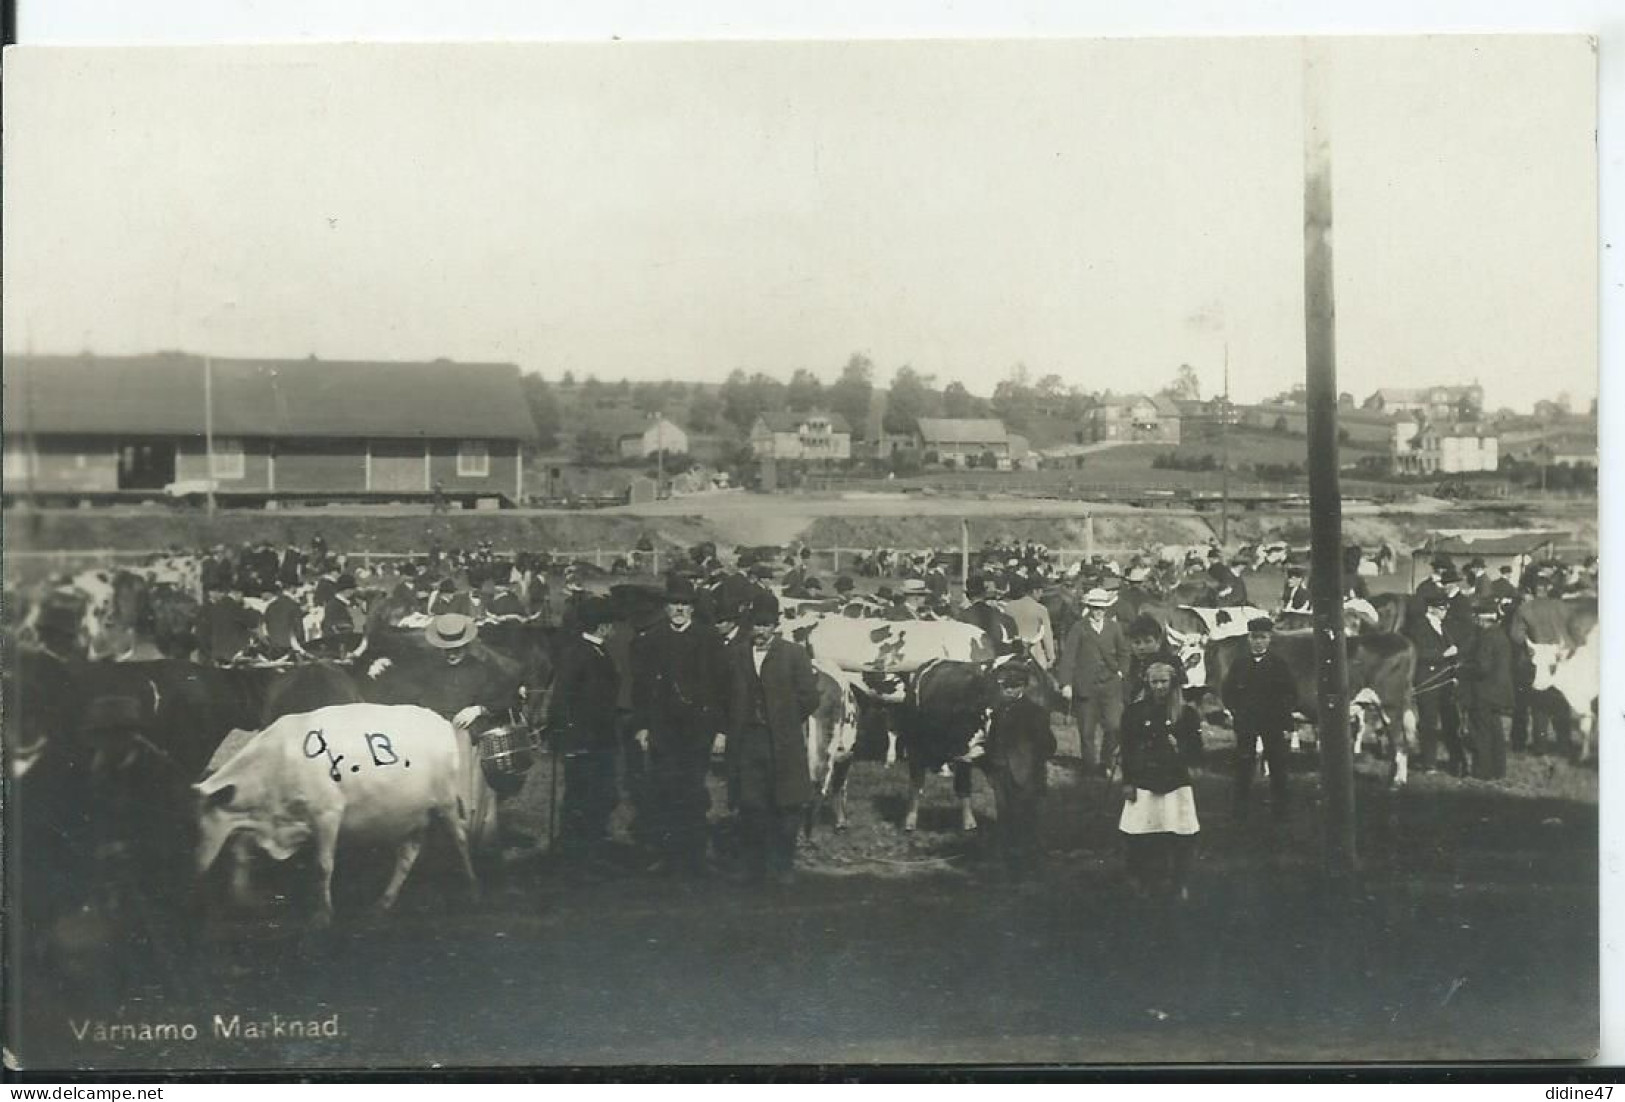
(1162,740)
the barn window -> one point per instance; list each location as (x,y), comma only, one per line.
(226,461)
(473,459)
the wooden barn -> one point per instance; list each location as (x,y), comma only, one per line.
(90,428)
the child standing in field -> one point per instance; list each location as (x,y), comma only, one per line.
(1020,743)
(1161,741)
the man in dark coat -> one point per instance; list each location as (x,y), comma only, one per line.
(284,624)
(1261,695)
(1437,655)
(1019,746)
(228,627)
(1295,604)
(678,684)
(582,716)
(1487,692)
(1228,589)
(997,624)
(772,691)
(1094,659)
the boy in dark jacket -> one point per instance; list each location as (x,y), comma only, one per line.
(1261,695)
(1487,694)
(1020,743)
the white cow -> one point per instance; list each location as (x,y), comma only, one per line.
(832,737)
(1575,674)
(896,646)
(369,774)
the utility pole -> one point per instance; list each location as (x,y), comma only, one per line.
(964,553)
(208,429)
(1325,495)
(1224,454)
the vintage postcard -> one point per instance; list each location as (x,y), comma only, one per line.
(847,552)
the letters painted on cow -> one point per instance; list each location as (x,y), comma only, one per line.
(342,775)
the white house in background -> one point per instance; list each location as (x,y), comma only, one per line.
(658,435)
(1443,447)
(812,435)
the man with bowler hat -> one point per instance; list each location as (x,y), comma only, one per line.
(1261,695)
(678,678)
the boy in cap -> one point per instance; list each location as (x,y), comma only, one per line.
(1019,746)
(1261,694)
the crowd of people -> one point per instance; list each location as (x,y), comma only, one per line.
(642,694)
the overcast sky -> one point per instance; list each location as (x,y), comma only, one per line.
(1104,210)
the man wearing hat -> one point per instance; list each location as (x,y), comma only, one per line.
(1487,691)
(772,689)
(471,685)
(1228,589)
(1019,746)
(1504,590)
(1261,695)
(982,613)
(678,676)
(227,626)
(1295,606)
(1093,660)
(582,716)
(1438,652)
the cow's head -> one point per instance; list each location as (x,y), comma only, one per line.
(228,806)
(1190,649)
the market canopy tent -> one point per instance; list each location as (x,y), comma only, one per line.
(1498,547)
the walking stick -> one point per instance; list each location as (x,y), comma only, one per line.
(553,794)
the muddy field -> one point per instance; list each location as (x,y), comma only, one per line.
(1471,934)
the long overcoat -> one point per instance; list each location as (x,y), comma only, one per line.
(767,713)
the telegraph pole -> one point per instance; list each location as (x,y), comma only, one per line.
(1325,495)
(208,429)
(1224,453)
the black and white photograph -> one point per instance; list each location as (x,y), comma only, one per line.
(1067,551)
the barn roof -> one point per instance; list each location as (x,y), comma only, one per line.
(163,395)
(962,430)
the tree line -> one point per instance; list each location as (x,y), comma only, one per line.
(1018,399)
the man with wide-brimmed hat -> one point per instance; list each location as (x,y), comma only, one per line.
(582,717)
(1093,660)
(772,689)
(471,685)
(678,679)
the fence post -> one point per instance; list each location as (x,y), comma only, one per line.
(657,562)
(835,559)
(598,557)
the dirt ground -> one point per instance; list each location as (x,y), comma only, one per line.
(1471,933)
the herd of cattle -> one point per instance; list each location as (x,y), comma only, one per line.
(121,769)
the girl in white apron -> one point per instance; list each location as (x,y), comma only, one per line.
(1161,741)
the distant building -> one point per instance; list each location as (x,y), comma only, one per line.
(132,425)
(1135,417)
(650,438)
(786,435)
(1436,403)
(954,439)
(1422,447)
(888,444)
